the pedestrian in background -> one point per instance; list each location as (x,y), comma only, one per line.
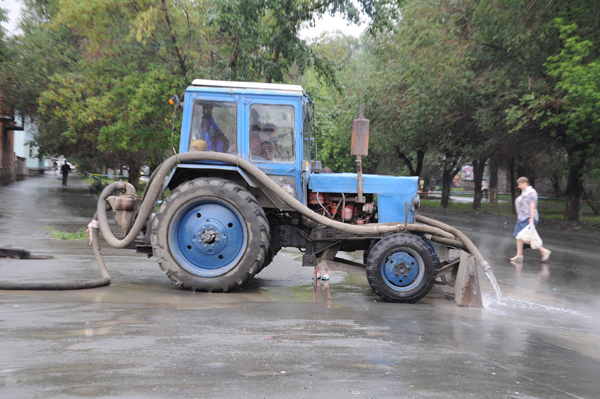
(65,170)
(526,205)
(484,188)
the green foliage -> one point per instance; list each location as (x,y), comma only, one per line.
(568,109)
(95,76)
(578,82)
(444,82)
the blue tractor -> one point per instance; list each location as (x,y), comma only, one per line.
(246,183)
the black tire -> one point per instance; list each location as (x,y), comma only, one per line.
(401,268)
(210,234)
(366,252)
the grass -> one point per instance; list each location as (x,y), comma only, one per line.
(84,179)
(551,209)
(503,209)
(65,235)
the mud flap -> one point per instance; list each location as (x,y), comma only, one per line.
(459,279)
(466,286)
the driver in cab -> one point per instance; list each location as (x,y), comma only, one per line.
(261,141)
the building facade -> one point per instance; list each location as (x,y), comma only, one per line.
(34,163)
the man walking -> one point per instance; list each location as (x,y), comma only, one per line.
(65,170)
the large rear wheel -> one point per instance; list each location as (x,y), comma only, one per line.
(401,268)
(210,234)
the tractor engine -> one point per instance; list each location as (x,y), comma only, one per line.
(344,207)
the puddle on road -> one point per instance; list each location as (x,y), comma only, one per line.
(152,296)
(84,332)
(526,304)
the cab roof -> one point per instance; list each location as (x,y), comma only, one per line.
(223,84)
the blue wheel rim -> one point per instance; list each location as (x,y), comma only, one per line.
(208,237)
(402,269)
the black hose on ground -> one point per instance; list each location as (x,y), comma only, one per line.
(70,285)
(440,232)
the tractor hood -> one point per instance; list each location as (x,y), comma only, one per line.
(392,192)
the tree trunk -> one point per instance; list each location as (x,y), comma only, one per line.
(513,194)
(493,194)
(276,54)
(555,180)
(177,52)
(446,186)
(449,171)
(134,174)
(525,171)
(574,191)
(420,159)
(478,168)
(233,60)
(414,171)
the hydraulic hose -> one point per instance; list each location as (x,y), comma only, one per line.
(469,247)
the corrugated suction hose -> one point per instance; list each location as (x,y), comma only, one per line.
(439,231)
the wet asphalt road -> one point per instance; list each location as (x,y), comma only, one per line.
(282,336)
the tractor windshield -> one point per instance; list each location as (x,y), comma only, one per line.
(213,126)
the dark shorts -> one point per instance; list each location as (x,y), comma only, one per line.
(521,225)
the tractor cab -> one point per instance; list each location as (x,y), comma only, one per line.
(266,124)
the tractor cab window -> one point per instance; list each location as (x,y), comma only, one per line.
(214,126)
(272,133)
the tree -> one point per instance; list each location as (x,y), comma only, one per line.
(98,85)
(572,113)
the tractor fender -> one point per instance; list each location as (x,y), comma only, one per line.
(203,169)
(185,172)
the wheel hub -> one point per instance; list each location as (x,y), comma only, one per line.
(401,269)
(210,236)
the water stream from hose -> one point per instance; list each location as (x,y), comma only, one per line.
(492,278)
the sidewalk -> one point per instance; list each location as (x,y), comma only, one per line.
(28,209)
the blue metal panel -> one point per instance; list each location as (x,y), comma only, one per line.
(390,208)
(392,191)
(372,184)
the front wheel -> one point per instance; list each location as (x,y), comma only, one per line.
(401,268)
(210,234)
